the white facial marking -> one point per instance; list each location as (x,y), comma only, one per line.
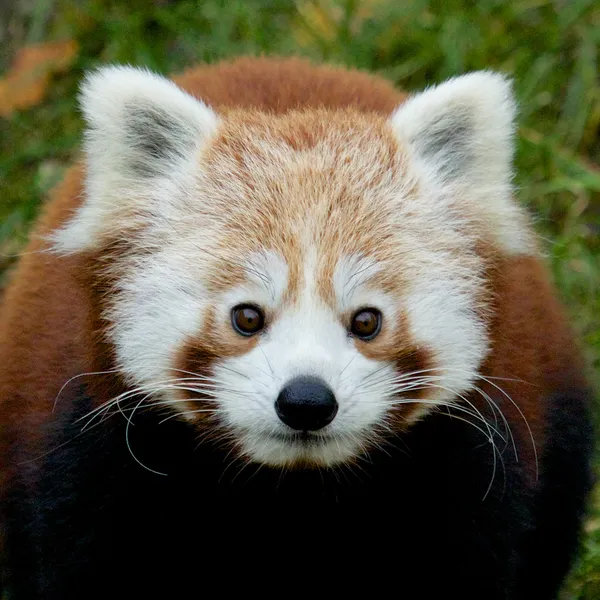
(142,142)
(441,310)
(459,135)
(266,282)
(308,339)
(349,279)
(158,307)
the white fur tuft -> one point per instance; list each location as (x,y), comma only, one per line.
(459,136)
(142,140)
(462,128)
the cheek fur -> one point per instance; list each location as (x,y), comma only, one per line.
(411,363)
(196,363)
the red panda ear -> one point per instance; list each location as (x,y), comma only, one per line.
(458,136)
(461,130)
(143,134)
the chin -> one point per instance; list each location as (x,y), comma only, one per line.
(305,450)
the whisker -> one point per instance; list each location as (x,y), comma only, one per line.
(241,374)
(94,413)
(533,445)
(262,276)
(263,371)
(128,442)
(494,450)
(454,406)
(77,377)
(268,363)
(507,426)
(347,365)
(189,412)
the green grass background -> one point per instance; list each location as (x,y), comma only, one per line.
(549,47)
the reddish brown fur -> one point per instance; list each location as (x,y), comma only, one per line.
(532,345)
(280,85)
(270,198)
(47,318)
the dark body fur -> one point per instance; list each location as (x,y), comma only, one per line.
(82,519)
(413,522)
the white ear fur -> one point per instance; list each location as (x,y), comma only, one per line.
(143,134)
(461,129)
(459,137)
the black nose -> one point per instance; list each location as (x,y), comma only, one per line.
(307,404)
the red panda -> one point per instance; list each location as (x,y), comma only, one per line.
(286,330)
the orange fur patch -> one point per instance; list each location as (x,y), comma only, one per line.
(299,182)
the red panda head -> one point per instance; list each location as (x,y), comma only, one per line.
(302,283)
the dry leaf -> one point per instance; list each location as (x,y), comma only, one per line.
(26,82)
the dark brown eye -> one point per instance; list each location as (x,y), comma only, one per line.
(247,319)
(366,323)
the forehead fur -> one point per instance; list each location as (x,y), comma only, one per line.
(315,180)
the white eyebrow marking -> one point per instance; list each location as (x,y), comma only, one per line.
(269,269)
(351,273)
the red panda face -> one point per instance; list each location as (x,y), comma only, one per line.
(298,285)
(308,386)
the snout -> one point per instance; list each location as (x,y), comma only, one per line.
(306,404)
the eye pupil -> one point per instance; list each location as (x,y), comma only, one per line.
(247,320)
(366,324)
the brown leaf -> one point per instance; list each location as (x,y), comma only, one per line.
(27,80)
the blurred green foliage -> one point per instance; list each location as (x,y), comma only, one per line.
(550,48)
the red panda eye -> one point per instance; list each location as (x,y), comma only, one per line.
(247,320)
(366,323)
